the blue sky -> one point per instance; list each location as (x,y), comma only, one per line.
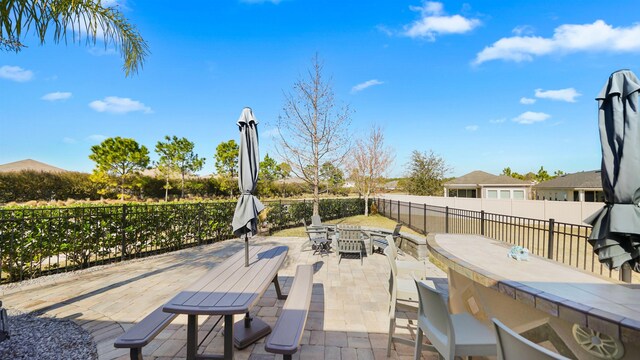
(484,84)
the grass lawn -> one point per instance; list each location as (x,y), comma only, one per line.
(378,221)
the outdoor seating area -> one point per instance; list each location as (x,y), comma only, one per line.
(347,314)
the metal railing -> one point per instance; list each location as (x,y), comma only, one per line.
(562,242)
(42,241)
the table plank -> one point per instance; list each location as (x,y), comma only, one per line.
(231,288)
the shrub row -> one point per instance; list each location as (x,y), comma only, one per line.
(27,186)
(42,240)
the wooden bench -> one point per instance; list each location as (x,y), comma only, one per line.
(286,334)
(143,332)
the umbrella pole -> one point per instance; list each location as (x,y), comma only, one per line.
(246,250)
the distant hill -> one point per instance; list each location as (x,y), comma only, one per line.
(29,164)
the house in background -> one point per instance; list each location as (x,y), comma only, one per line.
(480,184)
(29,165)
(582,186)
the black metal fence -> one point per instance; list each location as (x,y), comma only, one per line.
(562,242)
(41,241)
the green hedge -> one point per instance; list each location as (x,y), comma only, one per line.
(42,240)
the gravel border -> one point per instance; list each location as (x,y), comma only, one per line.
(35,336)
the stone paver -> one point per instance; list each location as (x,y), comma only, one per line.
(348,316)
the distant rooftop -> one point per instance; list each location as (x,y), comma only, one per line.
(29,164)
(484,178)
(579,180)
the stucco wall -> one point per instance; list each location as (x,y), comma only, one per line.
(562,211)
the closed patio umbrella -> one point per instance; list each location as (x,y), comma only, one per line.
(616,227)
(245,217)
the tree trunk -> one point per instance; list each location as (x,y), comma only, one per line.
(182,187)
(166,191)
(366,204)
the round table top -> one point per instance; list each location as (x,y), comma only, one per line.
(550,286)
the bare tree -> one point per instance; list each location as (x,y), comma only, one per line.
(312,128)
(371,160)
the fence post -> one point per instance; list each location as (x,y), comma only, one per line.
(281,213)
(399,211)
(409,214)
(123,225)
(550,241)
(446,220)
(482,222)
(625,273)
(424,218)
(200,221)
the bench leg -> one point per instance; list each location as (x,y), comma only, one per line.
(279,293)
(135,353)
(286,357)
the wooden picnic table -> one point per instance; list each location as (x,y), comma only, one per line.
(230,288)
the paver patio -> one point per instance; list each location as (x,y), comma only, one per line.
(347,320)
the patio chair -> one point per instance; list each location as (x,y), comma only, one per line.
(406,269)
(451,335)
(349,241)
(403,290)
(316,222)
(379,237)
(512,345)
(318,239)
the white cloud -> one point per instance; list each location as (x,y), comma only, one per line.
(530,117)
(498,121)
(118,105)
(365,85)
(96,138)
(527,101)
(271,133)
(433,21)
(15,73)
(55,96)
(68,140)
(568,95)
(471,127)
(568,38)
(522,30)
(102,51)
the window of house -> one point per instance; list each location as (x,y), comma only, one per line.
(518,194)
(492,194)
(505,194)
(453,193)
(576,196)
(589,196)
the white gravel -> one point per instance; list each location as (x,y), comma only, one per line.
(35,336)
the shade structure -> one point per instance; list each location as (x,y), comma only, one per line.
(245,217)
(616,227)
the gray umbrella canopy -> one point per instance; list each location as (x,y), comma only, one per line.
(616,227)
(245,217)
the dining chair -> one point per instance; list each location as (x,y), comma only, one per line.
(402,290)
(406,269)
(450,335)
(512,346)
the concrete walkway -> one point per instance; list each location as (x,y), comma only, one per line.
(348,318)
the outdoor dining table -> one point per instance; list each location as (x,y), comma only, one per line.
(230,288)
(582,315)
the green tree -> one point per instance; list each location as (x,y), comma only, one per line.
(284,170)
(177,154)
(269,169)
(331,175)
(71,20)
(426,173)
(120,158)
(227,158)
(542,175)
